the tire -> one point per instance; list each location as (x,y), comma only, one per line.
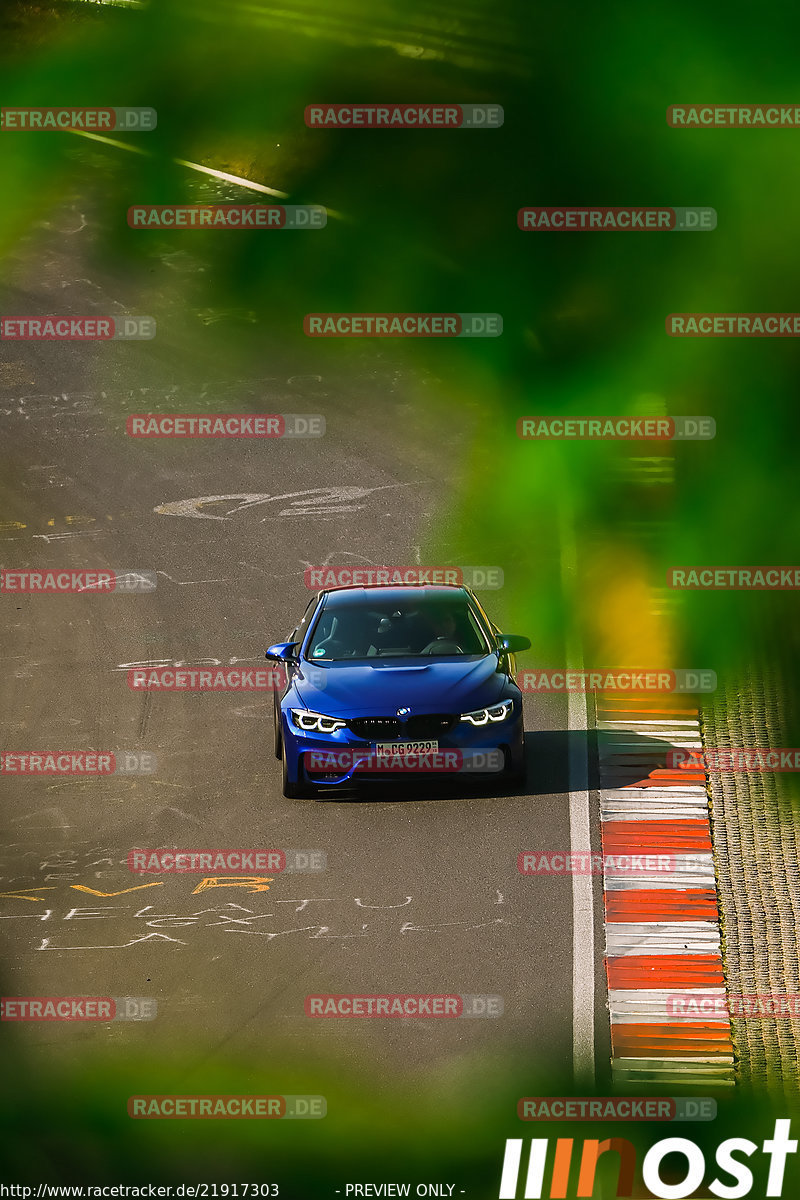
(517,776)
(276,731)
(292,790)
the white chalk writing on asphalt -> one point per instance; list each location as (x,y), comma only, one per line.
(309,502)
(231,918)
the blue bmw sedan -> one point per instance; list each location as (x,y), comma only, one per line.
(383,681)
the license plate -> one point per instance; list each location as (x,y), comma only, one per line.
(403,749)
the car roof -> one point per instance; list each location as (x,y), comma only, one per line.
(391,593)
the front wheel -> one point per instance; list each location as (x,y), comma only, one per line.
(277,734)
(516,775)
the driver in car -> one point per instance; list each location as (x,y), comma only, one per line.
(442,627)
(444,624)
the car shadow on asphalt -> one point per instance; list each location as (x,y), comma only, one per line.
(558,762)
(550,756)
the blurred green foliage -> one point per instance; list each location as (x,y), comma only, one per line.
(427,222)
(64,1128)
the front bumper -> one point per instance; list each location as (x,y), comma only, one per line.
(330,760)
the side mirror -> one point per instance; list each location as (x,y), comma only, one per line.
(513,643)
(283,652)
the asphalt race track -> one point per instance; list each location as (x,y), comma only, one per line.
(421,891)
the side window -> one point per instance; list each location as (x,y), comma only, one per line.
(301,630)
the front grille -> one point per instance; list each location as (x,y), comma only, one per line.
(415,729)
(371,728)
(432,726)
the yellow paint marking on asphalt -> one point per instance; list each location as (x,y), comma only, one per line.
(80,887)
(254,883)
(71,519)
(17,893)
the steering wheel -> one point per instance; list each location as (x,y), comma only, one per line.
(442,645)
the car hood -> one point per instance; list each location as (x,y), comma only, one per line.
(379,688)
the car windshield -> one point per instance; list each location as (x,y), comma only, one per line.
(417,628)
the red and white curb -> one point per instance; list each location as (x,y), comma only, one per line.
(662,929)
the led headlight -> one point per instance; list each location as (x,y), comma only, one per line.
(315,722)
(496,712)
